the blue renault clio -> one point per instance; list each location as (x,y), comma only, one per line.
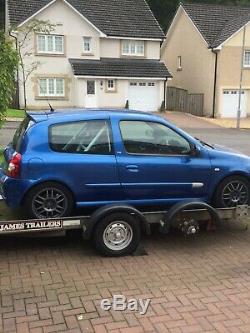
(62,160)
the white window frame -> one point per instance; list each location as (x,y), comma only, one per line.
(244,60)
(48,81)
(111,85)
(132,48)
(46,50)
(90,44)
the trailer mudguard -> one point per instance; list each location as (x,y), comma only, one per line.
(110,209)
(188,205)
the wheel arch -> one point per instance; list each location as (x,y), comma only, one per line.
(232,174)
(102,212)
(56,181)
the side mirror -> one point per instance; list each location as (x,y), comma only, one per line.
(194,150)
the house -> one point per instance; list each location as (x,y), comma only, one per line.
(203,51)
(101,54)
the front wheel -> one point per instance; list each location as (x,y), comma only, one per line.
(117,234)
(232,191)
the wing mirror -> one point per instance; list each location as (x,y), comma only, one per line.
(195,151)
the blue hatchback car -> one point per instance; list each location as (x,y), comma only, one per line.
(88,158)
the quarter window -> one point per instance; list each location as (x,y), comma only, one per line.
(133,48)
(150,138)
(87,44)
(50,44)
(51,87)
(83,137)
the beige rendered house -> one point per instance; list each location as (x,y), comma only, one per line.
(203,51)
(101,54)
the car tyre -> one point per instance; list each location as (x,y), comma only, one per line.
(232,191)
(117,235)
(49,200)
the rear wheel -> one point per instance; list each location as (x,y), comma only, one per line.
(49,200)
(117,234)
(232,191)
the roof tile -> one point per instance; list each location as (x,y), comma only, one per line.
(217,23)
(121,18)
(108,67)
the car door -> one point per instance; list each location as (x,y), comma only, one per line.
(84,159)
(156,164)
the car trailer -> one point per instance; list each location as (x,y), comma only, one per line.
(116,229)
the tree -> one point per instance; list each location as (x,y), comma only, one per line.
(23,37)
(8,65)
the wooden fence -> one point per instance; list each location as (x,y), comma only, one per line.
(180,100)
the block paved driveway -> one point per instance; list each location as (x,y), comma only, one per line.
(198,284)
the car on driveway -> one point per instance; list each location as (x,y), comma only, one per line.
(68,159)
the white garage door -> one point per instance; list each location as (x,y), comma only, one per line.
(231,102)
(143,96)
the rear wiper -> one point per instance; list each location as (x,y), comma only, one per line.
(205,143)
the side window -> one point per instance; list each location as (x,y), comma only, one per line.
(150,138)
(83,137)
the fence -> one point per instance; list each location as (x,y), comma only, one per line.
(180,100)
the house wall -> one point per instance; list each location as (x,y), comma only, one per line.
(115,99)
(198,62)
(73,27)
(229,68)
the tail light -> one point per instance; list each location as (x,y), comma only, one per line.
(14,166)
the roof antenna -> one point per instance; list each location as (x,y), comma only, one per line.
(51,108)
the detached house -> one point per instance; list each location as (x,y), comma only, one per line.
(203,51)
(101,54)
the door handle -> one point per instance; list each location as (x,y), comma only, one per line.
(132,168)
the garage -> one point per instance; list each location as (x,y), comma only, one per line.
(231,101)
(143,96)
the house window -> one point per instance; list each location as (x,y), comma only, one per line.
(87,44)
(51,87)
(53,44)
(247,59)
(111,86)
(179,62)
(133,48)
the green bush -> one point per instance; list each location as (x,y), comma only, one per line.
(8,66)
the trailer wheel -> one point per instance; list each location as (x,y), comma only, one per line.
(117,234)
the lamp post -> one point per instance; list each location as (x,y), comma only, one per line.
(241,77)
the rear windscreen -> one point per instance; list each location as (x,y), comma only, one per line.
(19,134)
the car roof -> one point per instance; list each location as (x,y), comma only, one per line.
(78,114)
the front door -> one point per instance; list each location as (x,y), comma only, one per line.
(91,101)
(156,165)
(84,158)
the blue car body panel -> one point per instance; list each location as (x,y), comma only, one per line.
(120,177)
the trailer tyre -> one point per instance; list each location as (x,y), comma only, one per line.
(117,234)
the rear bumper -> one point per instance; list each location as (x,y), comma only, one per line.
(12,190)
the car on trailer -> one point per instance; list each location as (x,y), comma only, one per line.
(68,159)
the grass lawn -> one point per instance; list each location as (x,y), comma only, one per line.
(1,156)
(14,113)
